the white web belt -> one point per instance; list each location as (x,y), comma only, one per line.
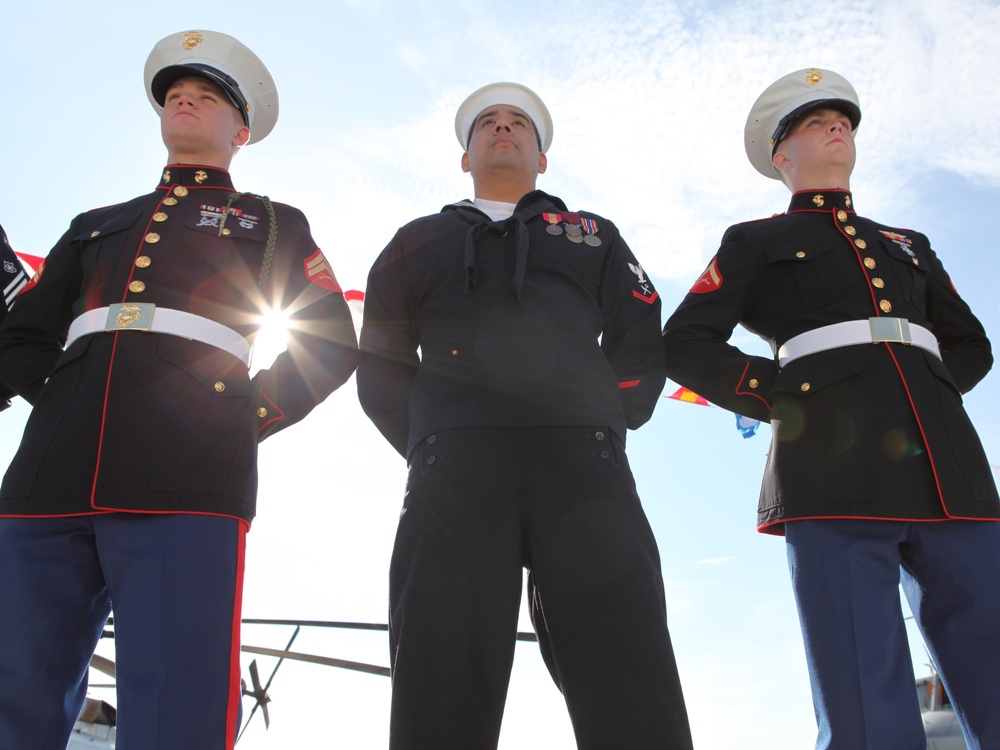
(145,316)
(849,333)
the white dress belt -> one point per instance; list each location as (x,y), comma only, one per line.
(851,332)
(145,316)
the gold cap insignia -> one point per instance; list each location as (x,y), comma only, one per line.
(192,39)
(814,76)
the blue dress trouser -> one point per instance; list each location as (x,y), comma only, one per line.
(175,585)
(846,575)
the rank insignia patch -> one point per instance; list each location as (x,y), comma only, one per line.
(710,280)
(319,272)
(645,292)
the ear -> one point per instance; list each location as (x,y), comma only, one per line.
(241,137)
(465,162)
(543,163)
(781,162)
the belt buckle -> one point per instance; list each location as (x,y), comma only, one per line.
(130,316)
(891,330)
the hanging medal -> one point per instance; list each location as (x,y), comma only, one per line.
(573,231)
(553,223)
(590,228)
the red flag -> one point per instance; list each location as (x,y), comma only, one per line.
(32,261)
(685,394)
(356,303)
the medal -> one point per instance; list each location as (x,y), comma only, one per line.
(590,227)
(577,238)
(553,221)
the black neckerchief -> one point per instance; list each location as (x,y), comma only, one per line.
(531,205)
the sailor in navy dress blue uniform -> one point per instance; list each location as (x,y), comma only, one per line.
(875,473)
(539,346)
(135,482)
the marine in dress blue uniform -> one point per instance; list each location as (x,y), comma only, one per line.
(135,481)
(508,344)
(875,472)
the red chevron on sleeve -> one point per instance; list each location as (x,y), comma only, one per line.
(710,280)
(319,272)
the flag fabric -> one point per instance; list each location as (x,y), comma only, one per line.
(356,303)
(689,396)
(747,425)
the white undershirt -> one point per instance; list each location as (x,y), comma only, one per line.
(496,210)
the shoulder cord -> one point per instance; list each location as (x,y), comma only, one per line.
(272,232)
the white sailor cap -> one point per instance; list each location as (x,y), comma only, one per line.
(787,99)
(222,59)
(512,94)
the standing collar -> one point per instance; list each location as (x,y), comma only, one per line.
(822,200)
(193,176)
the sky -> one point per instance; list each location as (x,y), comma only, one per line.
(648,100)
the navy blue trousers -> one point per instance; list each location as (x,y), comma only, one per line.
(480,506)
(175,585)
(846,576)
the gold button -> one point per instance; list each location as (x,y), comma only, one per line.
(804,387)
(861,244)
(850,230)
(226,231)
(220,387)
(180,191)
(878,283)
(800,254)
(95,233)
(869,263)
(136,286)
(262,412)
(152,237)
(159,216)
(753,382)
(916,261)
(143,261)
(170,201)
(842,215)
(885,306)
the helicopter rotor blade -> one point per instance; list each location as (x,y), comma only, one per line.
(324,660)
(103,664)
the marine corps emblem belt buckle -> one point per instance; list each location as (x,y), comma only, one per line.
(130,316)
(892,330)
